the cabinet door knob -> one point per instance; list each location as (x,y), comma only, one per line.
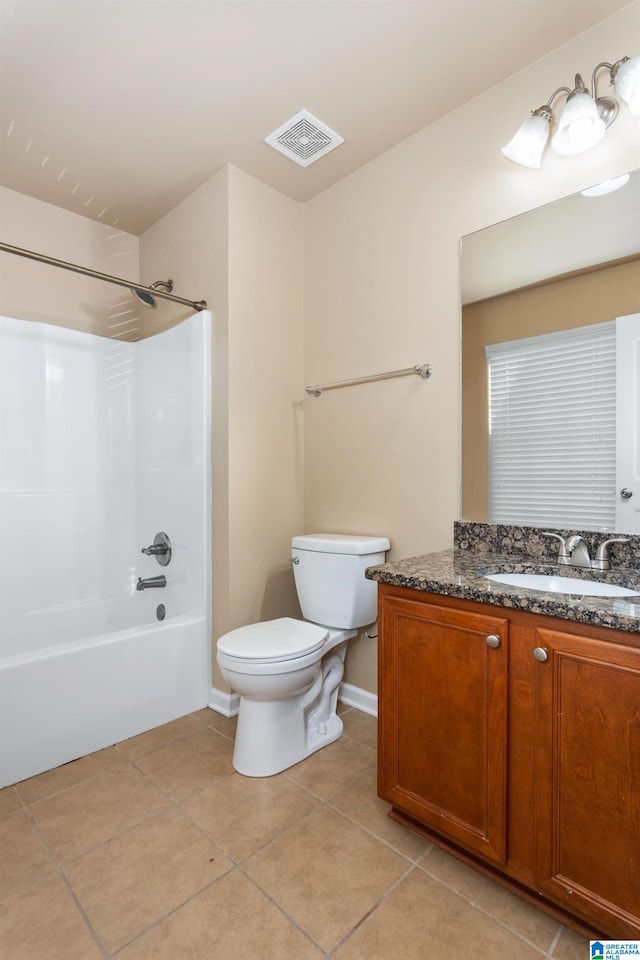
(541,654)
(493,641)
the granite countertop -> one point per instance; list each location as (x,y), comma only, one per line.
(460,573)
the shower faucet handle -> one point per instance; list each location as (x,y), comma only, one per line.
(160,549)
(155,549)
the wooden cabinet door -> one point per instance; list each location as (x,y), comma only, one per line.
(443,699)
(588,778)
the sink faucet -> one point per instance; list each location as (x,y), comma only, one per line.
(573,551)
(160,581)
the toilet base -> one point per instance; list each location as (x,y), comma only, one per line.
(273,735)
(254,754)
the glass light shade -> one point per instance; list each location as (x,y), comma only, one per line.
(580,127)
(607,186)
(627,84)
(528,143)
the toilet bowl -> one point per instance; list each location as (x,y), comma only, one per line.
(287,672)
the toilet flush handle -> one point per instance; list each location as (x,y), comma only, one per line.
(295,559)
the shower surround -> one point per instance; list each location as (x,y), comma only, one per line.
(103,444)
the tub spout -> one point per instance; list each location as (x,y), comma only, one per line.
(160,581)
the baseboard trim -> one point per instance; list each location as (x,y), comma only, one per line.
(227,703)
(357,697)
(222,702)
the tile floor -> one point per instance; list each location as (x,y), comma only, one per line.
(155,849)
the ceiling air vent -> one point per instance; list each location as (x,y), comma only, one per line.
(304,138)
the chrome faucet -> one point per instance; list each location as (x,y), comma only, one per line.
(160,581)
(573,551)
(160,549)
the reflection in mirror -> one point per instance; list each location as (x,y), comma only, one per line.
(569,264)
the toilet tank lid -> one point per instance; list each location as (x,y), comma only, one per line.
(340,543)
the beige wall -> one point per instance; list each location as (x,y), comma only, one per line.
(36,291)
(238,244)
(265,388)
(577,301)
(382,291)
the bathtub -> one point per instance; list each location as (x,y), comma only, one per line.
(92,681)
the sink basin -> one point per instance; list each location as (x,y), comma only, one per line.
(556,584)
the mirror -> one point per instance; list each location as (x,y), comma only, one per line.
(564,265)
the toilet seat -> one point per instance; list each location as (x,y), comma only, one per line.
(273,641)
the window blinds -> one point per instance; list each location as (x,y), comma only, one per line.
(552,429)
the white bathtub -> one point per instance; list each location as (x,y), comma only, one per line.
(74,696)
(107,444)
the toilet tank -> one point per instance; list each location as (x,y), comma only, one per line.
(329,574)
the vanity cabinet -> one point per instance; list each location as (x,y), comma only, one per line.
(444,756)
(587,754)
(514,739)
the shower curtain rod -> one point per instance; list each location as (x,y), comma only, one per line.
(75,268)
(422,369)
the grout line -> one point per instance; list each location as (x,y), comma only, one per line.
(165,916)
(179,906)
(543,952)
(280,908)
(77,783)
(57,867)
(84,916)
(554,942)
(413,860)
(375,906)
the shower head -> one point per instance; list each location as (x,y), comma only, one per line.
(146,298)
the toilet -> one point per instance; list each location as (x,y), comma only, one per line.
(287,671)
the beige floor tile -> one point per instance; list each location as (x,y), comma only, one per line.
(160,736)
(244,813)
(186,766)
(97,810)
(224,725)
(128,884)
(360,801)
(325,873)
(9,802)
(227,726)
(231,920)
(333,767)
(521,917)
(422,919)
(570,946)
(60,778)
(23,857)
(43,923)
(211,717)
(362,728)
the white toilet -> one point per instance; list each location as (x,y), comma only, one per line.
(287,671)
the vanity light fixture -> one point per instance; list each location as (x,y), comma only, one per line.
(583,120)
(606,186)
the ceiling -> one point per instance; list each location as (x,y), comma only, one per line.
(118,110)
